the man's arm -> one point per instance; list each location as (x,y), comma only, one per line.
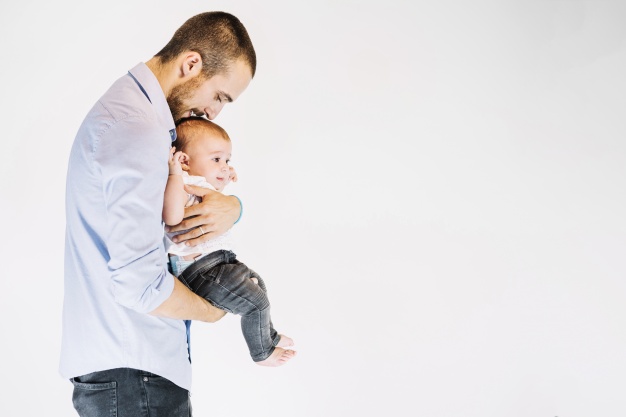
(215,214)
(185,305)
(132,170)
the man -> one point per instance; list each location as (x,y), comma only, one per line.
(125,344)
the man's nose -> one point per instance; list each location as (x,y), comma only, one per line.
(212,111)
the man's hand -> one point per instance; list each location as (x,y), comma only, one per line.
(212,217)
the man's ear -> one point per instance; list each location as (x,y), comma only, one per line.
(191,64)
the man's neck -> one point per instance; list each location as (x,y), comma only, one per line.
(164,74)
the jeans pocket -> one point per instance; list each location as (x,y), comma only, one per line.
(95,399)
(216,273)
(201,283)
(164,398)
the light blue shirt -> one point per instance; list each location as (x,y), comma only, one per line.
(115,262)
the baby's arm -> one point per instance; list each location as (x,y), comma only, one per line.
(175,195)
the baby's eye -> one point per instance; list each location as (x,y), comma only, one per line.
(227,161)
(216,159)
(218,98)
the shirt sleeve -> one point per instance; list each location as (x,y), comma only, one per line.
(132,158)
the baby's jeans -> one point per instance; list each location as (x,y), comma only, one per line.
(226,283)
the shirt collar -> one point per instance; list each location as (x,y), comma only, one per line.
(148,83)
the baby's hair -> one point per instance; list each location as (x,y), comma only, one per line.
(190,128)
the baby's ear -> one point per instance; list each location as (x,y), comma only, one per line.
(184,161)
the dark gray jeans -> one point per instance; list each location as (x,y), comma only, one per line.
(225,282)
(126,392)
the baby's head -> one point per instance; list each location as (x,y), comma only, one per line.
(208,147)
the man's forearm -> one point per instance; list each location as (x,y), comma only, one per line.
(185,305)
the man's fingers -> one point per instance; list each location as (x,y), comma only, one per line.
(192,223)
(198,209)
(199,191)
(193,233)
(194,237)
(209,214)
(201,239)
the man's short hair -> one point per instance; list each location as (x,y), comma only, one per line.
(220,39)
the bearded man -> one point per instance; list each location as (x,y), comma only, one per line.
(125,344)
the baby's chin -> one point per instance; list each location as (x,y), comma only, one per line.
(219,185)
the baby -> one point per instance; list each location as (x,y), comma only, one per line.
(200,157)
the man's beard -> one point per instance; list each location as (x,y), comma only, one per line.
(182,93)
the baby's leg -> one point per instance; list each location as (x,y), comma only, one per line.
(256,278)
(234,291)
(279,356)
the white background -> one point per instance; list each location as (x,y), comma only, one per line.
(434,193)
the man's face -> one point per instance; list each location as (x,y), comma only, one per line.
(200,96)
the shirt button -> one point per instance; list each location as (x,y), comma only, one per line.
(145,379)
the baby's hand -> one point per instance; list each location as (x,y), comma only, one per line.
(233,174)
(175,161)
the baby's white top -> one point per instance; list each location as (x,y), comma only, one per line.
(221,242)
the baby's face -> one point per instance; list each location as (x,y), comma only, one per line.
(208,158)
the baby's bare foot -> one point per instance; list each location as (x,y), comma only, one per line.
(284,341)
(278,357)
